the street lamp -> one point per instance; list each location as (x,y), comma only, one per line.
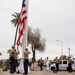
(69,51)
(61,47)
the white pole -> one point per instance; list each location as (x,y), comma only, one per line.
(25,30)
(61,49)
(69,51)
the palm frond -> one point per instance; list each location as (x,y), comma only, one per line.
(15,20)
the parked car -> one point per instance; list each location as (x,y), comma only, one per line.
(63,65)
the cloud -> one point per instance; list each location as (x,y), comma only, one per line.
(55,19)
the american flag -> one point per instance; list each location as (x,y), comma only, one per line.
(23,17)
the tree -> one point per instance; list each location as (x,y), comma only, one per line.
(0,60)
(15,22)
(9,51)
(37,43)
(64,57)
(0,53)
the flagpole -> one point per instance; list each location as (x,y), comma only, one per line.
(25,31)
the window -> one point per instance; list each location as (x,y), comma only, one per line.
(64,62)
(72,62)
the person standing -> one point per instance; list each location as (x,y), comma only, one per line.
(47,64)
(41,64)
(12,52)
(26,61)
(15,59)
(69,64)
(57,64)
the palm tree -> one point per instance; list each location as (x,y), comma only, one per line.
(15,22)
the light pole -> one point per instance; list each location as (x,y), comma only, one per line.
(61,47)
(69,51)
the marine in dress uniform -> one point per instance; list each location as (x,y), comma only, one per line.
(12,52)
(41,64)
(15,59)
(69,64)
(57,64)
(26,61)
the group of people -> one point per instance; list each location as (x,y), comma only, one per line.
(69,68)
(13,60)
(39,65)
(46,64)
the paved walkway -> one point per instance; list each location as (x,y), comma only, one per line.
(40,73)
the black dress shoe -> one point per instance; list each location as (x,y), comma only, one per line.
(12,73)
(24,74)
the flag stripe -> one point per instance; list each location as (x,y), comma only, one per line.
(23,17)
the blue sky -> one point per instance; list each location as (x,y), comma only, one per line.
(54,18)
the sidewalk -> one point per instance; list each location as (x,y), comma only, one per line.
(40,73)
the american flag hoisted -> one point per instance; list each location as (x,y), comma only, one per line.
(23,18)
